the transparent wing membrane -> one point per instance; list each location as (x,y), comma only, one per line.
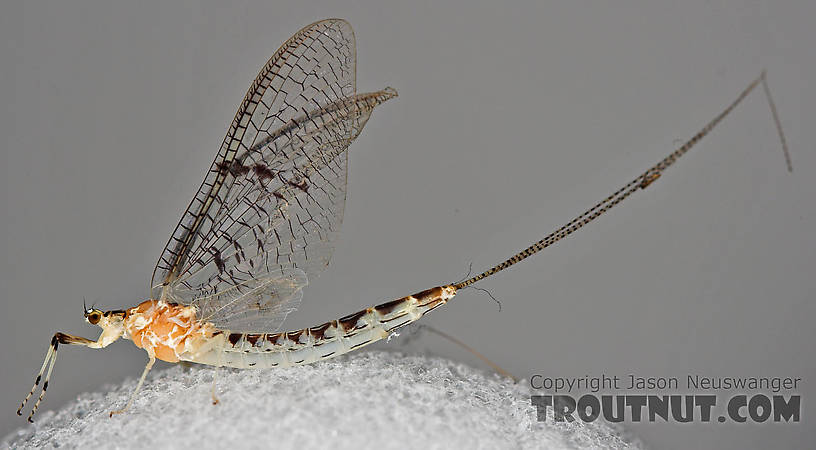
(256,304)
(266,216)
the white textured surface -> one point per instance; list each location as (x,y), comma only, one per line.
(365,400)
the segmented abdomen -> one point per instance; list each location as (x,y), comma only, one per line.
(258,350)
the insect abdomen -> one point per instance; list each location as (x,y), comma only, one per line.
(293,348)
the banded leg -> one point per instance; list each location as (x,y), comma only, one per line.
(50,359)
(138,386)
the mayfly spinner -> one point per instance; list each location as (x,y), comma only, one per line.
(265,219)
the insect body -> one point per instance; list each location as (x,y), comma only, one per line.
(264,221)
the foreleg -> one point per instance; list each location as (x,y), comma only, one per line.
(50,358)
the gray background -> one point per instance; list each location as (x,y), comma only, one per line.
(511,119)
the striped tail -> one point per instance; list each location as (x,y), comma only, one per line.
(641,182)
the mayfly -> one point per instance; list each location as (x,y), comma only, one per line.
(265,219)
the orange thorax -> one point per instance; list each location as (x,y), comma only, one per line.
(165,330)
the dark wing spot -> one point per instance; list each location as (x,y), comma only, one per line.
(222,166)
(219,261)
(263,172)
(303,185)
(234,167)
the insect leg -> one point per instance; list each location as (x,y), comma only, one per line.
(215,400)
(220,364)
(50,358)
(447,336)
(138,386)
(45,385)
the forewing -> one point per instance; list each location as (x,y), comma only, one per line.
(272,221)
(277,224)
(314,68)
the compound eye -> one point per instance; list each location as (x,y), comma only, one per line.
(94,317)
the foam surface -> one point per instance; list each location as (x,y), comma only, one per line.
(364,400)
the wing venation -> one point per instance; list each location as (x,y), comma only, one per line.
(268,211)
